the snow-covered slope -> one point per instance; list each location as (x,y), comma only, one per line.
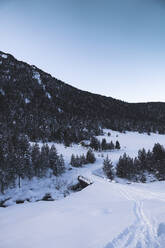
(103,215)
(35,189)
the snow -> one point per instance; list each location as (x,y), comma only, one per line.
(3,56)
(27,100)
(36,76)
(60,110)
(2,92)
(0,62)
(103,215)
(35,189)
(48,95)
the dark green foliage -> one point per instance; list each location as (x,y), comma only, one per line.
(146,162)
(108,168)
(158,152)
(60,165)
(95,143)
(44,160)
(19,160)
(69,115)
(117,145)
(73,160)
(83,159)
(53,159)
(90,157)
(78,161)
(35,156)
(125,167)
(110,146)
(104,145)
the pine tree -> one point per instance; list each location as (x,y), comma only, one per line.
(44,160)
(21,162)
(142,156)
(158,152)
(125,167)
(35,157)
(90,156)
(83,159)
(60,165)
(73,160)
(117,145)
(104,144)
(95,143)
(110,146)
(53,159)
(108,168)
(78,161)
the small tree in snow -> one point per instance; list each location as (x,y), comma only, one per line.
(108,168)
(117,145)
(90,157)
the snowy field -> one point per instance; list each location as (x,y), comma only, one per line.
(103,215)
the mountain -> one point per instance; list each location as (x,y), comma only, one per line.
(35,103)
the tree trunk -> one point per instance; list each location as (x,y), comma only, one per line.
(19,181)
(2,187)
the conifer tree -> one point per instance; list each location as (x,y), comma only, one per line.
(72,161)
(44,160)
(53,159)
(35,157)
(60,165)
(90,157)
(104,144)
(95,143)
(108,168)
(83,159)
(117,145)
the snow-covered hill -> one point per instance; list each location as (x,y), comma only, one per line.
(103,215)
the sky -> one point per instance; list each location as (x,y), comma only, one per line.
(110,47)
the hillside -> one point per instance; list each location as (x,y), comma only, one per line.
(91,218)
(34,103)
(103,215)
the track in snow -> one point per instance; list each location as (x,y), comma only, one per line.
(142,233)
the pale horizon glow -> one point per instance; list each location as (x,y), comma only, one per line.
(110,47)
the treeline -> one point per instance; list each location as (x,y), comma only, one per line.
(78,161)
(152,162)
(103,145)
(138,168)
(19,159)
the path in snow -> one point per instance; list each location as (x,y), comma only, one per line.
(104,215)
(142,233)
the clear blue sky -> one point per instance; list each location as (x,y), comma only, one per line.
(111,47)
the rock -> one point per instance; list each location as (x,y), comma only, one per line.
(47,197)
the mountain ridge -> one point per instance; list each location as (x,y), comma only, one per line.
(45,108)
